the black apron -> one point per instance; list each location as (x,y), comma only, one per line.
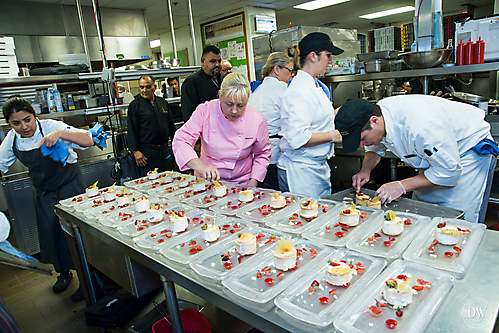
(52,182)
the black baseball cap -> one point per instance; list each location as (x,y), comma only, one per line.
(351,117)
(317,41)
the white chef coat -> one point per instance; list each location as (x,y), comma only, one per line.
(7,157)
(4,227)
(435,136)
(267,100)
(306,110)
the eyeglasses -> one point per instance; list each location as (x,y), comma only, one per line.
(145,87)
(226,70)
(290,70)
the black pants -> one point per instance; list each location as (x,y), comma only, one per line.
(161,158)
(271,180)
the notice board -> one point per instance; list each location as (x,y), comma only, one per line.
(229,35)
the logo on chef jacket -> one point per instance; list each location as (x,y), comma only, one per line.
(344,133)
(164,110)
(477,312)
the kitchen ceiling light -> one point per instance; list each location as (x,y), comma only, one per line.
(316,4)
(388,12)
(155,43)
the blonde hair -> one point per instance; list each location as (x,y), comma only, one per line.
(236,87)
(280,59)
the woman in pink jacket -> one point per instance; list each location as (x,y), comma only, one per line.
(235,143)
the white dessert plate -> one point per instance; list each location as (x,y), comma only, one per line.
(293,223)
(371,240)
(453,258)
(416,316)
(260,282)
(207,198)
(331,232)
(226,260)
(231,205)
(189,246)
(262,212)
(311,299)
(144,180)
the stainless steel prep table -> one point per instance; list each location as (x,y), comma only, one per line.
(479,283)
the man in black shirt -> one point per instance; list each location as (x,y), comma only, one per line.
(150,124)
(203,85)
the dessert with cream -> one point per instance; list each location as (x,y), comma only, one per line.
(361,199)
(339,273)
(446,234)
(110,194)
(398,292)
(154,214)
(123,198)
(142,204)
(183,182)
(92,190)
(246,196)
(151,175)
(309,209)
(350,217)
(277,201)
(211,232)
(284,255)
(178,221)
(374,203)
(246,244)
(219,190)
(199,185)
(392,225)
(169,177)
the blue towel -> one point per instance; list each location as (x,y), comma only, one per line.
(486,147)
(6,247)
(99,136)
(58,152)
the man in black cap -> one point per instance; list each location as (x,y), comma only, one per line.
(307,126)
(449,142)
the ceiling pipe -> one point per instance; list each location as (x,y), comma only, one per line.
(193,38)
(83,34)
(172,29)
(98,24)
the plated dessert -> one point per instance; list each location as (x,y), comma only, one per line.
(362,199)
(392,225)
(350,217)
(199,185)
(219,190)
(277,201)
(246,196)
(374,203)
(183,182)
(285,255)
(169,177)
(246,244)
(123,199)
(110,194)
(309,209)
(211,232)
(154,213)
(446,234)
(178,221)
(142,204)
(151,175)
(339,273)
(92,190)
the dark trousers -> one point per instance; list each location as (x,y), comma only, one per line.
(271,180)
(160,157)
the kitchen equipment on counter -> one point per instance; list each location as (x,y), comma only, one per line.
(487,29)
(87,102)
(375,62)
(136,67)
(165,63)
(426,59)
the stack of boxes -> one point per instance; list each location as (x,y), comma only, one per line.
(8,59)
(407,36)
(387,39)
(370,41)
(450,27)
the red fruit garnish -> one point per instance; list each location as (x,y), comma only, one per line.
(449,254)
(324,300)
(347,211)
(402,277)
(375,310)
(391,239)
(344,229)
(328,229)
(233,207)
(232,231)
(387,243)
(195,219)
(181,213)
(399,313)
(308,219)
(333,291)
(337,224)
(153,235)
(182,245)
(391,323)
(280,275)
(194,250)
(199,248)
(418,288)
(168,235)
(140,228)
(265,213)
(339,234)
(360,270)
(228,264)
(313,253)
(376,235)
(161,240)
(334,263)
(457,249)
(407,222)
(269,281)
(259,275)
(240,259)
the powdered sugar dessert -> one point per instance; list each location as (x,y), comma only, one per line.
(199,185)
(123,198)
(284,255)
(110,194)
(350,217)
(392,225)
(398,292)
(446,234)
(374,203)
(142,204)
(246,196)
(246,244)
(309,209)
(277,201)
(178,221)
(361,199)
(211,232)
(339,273)
(169,177)
(151,175)
(219,190)
(183,182)
(154,213)
(92,190)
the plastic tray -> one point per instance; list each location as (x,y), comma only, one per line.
(261,212)
(293,223)
(416,315)
(171,190)
(210,265)
(231,205)
(330,232)
(246,283)
(136,226)
(135,183)
(359,241)
(117,218)
(185,248)
(459,262)
(207,199)
(107,208)
(86,201)
(297,302)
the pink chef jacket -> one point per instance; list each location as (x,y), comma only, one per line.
(239,150)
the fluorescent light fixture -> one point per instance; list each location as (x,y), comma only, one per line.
(388,12)
(155,43)
(316,4)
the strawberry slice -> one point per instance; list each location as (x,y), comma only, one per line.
(259,275)
(181,213)
(281,274)
(418,288)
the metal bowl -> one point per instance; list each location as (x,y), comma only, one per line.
(175,62)
(165,63)
(426,59)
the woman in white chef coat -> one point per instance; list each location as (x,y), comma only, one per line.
(307,126)
(51,180)
(266,99)
(449,142)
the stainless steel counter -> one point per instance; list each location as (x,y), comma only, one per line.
(452,316)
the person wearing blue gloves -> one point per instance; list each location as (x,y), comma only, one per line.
(51,179)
